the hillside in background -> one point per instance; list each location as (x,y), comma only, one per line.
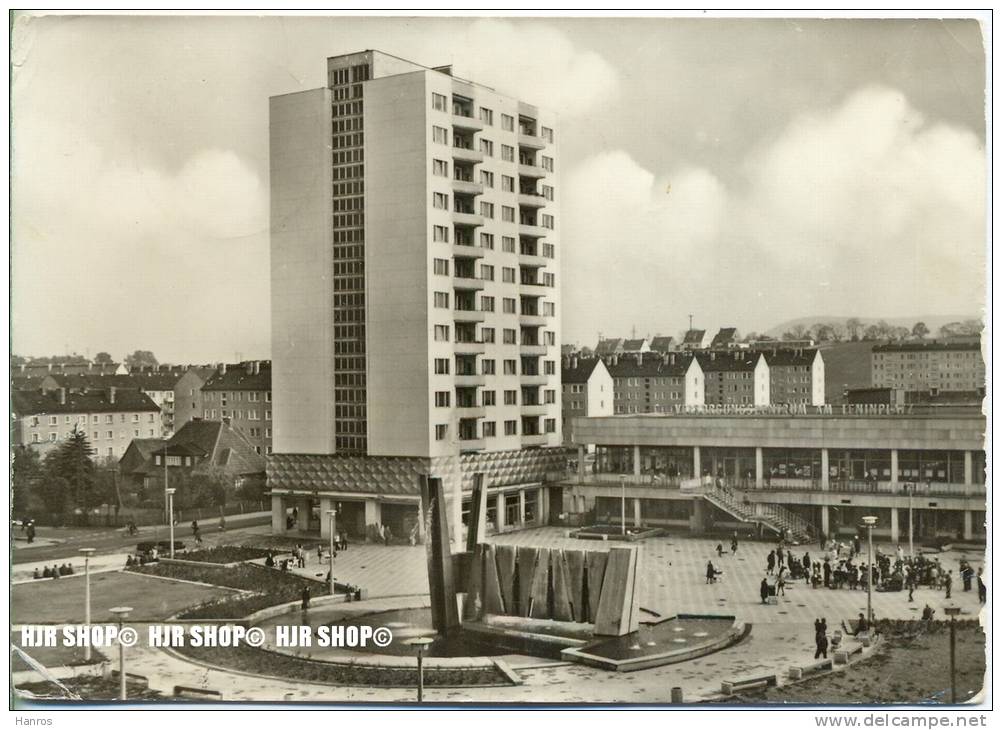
(932,321)
(847,365)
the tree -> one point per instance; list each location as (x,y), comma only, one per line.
(26,473)
(854,326)
(71,467)
(796,332)
(822,332)
(920,330)
(102,358)
(837,331)
(872,332)
(141,357)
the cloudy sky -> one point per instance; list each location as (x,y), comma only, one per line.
(744,171)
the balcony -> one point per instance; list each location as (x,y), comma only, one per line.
(535,288)
(467,219)
(467,283)
(534,439)
(533,230)
(532,200)
(534,379)
(471,411)
(471,380)
(530,141)
(469,347)
(534,350)
(534,409)
(468,315)
(464,154)
(467,187)
(532,171)
(461,121)
(531,320)
(467,251)
(533,260)
(471,444)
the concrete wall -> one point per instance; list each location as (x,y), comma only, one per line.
(600,391)
(818,380)
(301,272)
(695,385)
(761,396)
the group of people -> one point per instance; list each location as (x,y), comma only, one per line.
(142,559)
(56,571)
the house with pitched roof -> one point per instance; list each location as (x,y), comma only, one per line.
(654,383)
(695,340)
(725,339)
(587,390)
(636,346)
(796,376)
(735,377)
(663,344)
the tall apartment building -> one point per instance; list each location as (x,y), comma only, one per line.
(929,366)
(415,307)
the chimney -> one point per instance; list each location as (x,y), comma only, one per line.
(257,367)
(22,367)
(713,356)
(640,359)
(222,368)
(111,395)
(249,367)
(62,396)
(615,360)
(574,362)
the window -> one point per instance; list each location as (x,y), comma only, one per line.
(507,214)
(507,183)
(487,210)
(550,338)
(507,153)
(551,425)
(508,274)
(508,122)
(510,428)
(490,429)
(107,419)
(135,433)
(109,434)
(53,420)
(511,397)
(440,234)
(487,179)
(549,367)
(440,201)
(489,397)
(267,397)
(440,168)
(439,102)
(441,429)
(549,309)
(486,272)
(548,250)
(487,334)
(441,366)
(442,267)
(486,304)
(35,438)
(547,192)
(547,163)
(546,221)
(549,279)
(509,305)
(547,134)
(510,367)
(442,399)
(441,300)
(508,244)
(487,147)
(549,396)
(440,135)
(441,333)
(487,116)
(509,336)
(488,367)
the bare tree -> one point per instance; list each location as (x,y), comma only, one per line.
(854,326)
(920,330)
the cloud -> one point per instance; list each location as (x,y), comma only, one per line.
(866,209)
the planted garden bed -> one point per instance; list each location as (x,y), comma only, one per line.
(226,554)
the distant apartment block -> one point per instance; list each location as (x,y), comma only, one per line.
(241,396)
(735,377)
(588,390)
(653,383)
(929,366)
(796,376)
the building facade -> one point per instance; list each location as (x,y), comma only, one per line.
(588,390)
(654,383)
(736,377)
(240,395)
(796,376)
(433,200)
(929,366)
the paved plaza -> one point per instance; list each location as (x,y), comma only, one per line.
(672,581)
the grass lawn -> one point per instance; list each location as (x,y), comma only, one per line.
(912,666)
(61,601)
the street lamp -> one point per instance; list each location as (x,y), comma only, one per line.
(911,520)
(87,552)
(170,511)
(332,514)
(121,613)
(169,514)
(953,612)
(419,643)
(869,522)
(622,504)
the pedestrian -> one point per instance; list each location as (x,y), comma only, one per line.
(734,543)
(911,588)
(780,586)
(763,590)
(31,532)
(54,572)
(779,555)
(269,562)
(822,538)
(387,534)
(821,644)
(306,597)
(927,613)
(36,575)
(807,568)
(720,550)
(222,524)
(770,562)
(711,572)
(948,582)
(982,588)
(827,570)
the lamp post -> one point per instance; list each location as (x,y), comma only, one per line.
(911,521)
(953,612)
(87,552)
(622,504)
(166,506)
(121,613)
(869,522)
(332,514)
(170,510)
(419,643)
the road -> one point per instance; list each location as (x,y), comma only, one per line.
(106,540)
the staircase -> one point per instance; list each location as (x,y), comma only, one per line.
(770,516)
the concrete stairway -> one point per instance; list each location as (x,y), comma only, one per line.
(770,516)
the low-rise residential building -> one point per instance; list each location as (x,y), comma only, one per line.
(111,418)
(609,347)
(663,344)
(636,346)
(725,339)
(931,366)
(796,376)
(242,394)
(655,383)
(735,377)
(695,340)
(587,390)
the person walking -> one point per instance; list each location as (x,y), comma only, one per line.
(982,588)
(948,582)
(780,586)
(763,590)
(822,539)
(711,572)
(770,562)
(734,543)
(821,644)
(910,582)
(827,570)
(306,597)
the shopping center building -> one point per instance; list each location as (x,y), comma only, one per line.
(820,469)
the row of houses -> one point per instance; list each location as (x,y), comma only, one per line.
(693,340)
(653,382)
(150,402)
